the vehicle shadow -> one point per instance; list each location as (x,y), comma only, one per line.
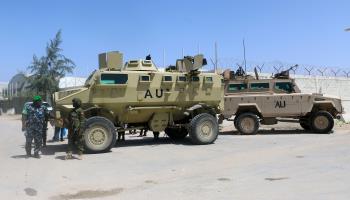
(151,142)
(64,158)
(19,156)
(271,132)
(51,149)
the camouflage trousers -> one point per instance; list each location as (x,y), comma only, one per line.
(35,135)
(75,138)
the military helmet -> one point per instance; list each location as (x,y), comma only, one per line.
(76,101)
(36,98)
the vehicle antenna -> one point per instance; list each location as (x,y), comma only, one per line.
(245,61)
(216,57)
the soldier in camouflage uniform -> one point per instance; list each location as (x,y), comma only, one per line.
(76,129)
(35,116)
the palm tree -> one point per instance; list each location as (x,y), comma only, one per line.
(49,69)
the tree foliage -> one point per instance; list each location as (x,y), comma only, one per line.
(49,69)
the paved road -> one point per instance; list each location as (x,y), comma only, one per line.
(271,165)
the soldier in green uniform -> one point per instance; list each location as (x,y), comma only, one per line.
(76,129)
(34,117)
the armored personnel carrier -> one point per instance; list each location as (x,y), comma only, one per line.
(117,97)
(253,101)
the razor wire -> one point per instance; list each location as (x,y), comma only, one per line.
(274,67)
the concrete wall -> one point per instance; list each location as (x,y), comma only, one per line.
(71,82)
(328,85)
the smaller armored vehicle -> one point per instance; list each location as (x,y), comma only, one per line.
(253,101)
(117,97)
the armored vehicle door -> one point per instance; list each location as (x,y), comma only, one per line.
(282,102)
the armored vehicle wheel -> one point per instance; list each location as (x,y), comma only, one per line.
(176,133)
(322,122)
(247,123)
(99,135)
(204,129)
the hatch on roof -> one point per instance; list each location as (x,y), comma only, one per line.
(140,65)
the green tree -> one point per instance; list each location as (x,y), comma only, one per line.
(49,69)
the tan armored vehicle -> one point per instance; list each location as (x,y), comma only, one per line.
(181,100)
(266,101)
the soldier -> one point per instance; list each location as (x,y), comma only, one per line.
(156,135)
(35,116)
(121,136)
(132,132)
(143,132)
(76,129)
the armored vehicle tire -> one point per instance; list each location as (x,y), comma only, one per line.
(322,122)
(99,135)
(247,123)
(204,129)
(176,133)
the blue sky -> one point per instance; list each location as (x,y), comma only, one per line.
(291,31)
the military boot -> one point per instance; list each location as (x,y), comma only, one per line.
(80,156)
(36,155)
(156,136)
(28,151)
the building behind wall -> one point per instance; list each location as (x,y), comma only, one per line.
(14,93)
(3,90)
(18,86)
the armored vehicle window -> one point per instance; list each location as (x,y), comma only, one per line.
(167,78)
(259,86)
(195,78)
(181,78)
(236,87)
(285,86)
(208,79)
(114,78)
(145,78)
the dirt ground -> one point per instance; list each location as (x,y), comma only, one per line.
(284,163)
